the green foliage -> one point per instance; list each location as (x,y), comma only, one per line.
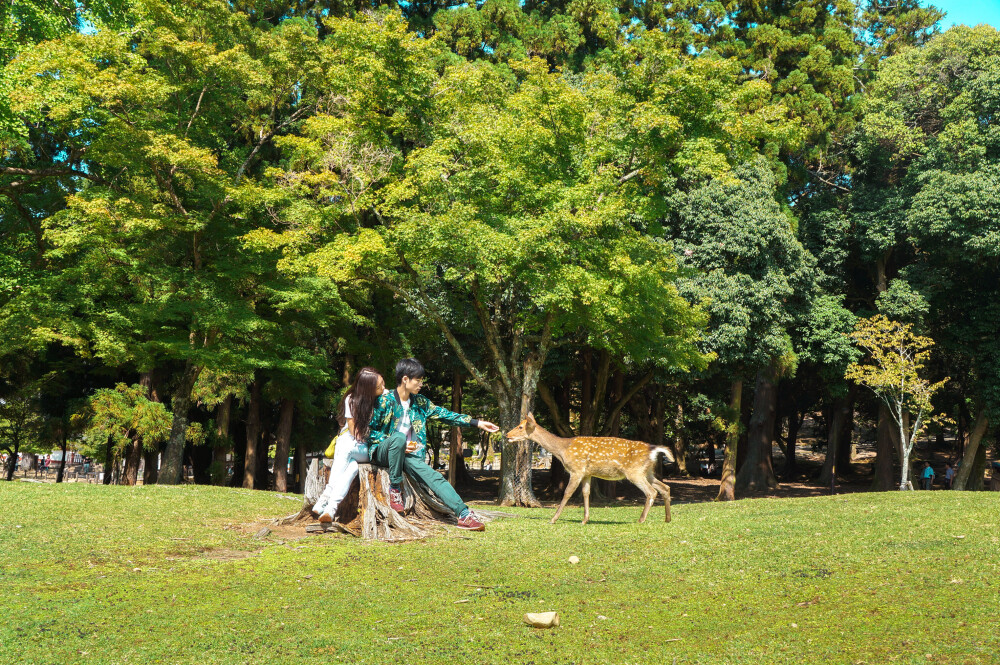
(930,160)
(219,192)
(121,416)
(825,342)
(753,273)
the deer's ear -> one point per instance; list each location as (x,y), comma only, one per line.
(529,424)
(531,418)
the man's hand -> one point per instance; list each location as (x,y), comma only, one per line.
(487,426)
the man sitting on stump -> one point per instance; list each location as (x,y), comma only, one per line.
(398,438)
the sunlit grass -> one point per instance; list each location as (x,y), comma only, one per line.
(162,574)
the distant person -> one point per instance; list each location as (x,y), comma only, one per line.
(949,475)
(927,476)
(351,445)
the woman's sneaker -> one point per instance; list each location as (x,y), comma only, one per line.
(471,522)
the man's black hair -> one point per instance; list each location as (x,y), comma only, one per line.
(410,367)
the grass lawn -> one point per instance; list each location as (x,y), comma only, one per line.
(95,574)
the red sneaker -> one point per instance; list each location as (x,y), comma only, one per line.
(471,522)
(396,501)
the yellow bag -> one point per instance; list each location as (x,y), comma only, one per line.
(331,448)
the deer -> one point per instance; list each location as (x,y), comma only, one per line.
(610,458)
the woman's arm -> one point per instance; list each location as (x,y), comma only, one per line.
(350,428)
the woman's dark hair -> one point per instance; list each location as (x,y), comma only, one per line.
(361,396)
(410,367)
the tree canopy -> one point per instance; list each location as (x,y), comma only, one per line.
(626,209)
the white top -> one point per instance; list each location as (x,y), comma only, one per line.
(347,408)
(404,424)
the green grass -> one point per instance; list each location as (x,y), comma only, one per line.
(94,574)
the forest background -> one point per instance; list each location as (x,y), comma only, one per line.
(654,220)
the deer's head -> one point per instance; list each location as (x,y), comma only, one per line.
(522,432)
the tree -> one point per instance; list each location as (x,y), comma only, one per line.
(125,419)
(753,277)
(929,167)
(20,424)
(512,228)
(896,359)
(164,128)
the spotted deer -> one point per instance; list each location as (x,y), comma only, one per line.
(587,457)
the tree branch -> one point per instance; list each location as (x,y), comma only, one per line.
(561,425)
(428,310)
(41,173)
(196,108)
(492,336)
(625,399)
(267,137)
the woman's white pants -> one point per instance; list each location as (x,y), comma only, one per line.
(347,454)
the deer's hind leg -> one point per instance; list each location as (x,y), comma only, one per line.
(642,482)
(586,500)
(663,489)
(574,482)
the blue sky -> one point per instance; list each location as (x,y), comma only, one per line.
(969,12)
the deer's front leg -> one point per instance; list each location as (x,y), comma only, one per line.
(586,499)
(574,482)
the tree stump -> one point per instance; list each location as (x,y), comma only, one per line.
(365,511)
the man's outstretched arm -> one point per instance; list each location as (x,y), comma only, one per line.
(435,412)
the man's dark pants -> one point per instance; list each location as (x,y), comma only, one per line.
(391,454)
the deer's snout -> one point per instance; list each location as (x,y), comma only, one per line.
(516,434)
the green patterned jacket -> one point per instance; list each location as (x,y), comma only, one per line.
(388,414)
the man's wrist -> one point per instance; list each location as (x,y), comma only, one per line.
(474,422)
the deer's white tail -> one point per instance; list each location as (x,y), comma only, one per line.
(660,449)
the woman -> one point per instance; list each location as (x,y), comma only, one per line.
(351,446)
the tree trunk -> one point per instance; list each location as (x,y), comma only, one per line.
(727,484)
(515,465)
(173,458)
(133,456)
(906,447)
(515,459)
(791,463)
(845,446)
(365,511)
(62,462)
(965,469)
(150,471)
(455,446)
(151,458)
(887,434)
(253,436)
(108,462)
(586,395)
(884,445)
(224,445)
(976,482)
(12,461)
(680,442)
(757,473)
(284,442)
(839,413)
